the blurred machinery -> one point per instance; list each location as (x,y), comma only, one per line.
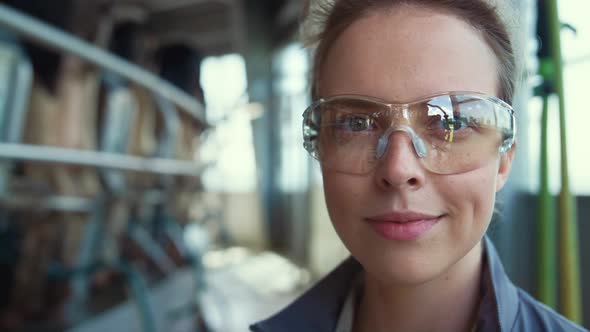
(101,120)
(98,169)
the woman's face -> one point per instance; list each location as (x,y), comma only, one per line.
(400,56)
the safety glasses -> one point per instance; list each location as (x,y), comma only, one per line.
(451,132)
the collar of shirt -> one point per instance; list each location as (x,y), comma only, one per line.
(348,312)
(320,308)
(486,316)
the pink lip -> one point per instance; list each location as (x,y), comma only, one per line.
(403,226)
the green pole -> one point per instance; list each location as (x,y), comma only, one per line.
(570,290)
(547,247)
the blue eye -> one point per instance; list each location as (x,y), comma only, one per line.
(457,123)
(450,123)
(450,129)
(356,123)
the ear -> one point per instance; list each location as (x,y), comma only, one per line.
(504,167)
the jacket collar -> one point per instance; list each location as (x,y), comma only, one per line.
(505,292)
(318,309)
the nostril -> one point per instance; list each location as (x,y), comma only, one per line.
(386,183)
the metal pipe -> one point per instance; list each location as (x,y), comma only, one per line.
(37,31)
(89,158)
(569,249)
(547,239)
(51,203)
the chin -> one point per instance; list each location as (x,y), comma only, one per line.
(403,269)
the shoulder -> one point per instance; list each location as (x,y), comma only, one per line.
(536,316)
(516,309)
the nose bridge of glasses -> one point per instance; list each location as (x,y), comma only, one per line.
(392,116)
(417,142)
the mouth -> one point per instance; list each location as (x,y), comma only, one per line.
(403,226)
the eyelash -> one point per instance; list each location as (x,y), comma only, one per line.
(347,121)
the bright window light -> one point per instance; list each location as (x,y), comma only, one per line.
(230,146)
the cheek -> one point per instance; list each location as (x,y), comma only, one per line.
(471,196)
(343,194)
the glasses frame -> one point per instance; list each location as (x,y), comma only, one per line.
(311,130)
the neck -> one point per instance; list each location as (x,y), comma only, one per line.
(446,303)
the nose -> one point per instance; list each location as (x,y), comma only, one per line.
(399,165)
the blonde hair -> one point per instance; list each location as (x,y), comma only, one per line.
(325,20)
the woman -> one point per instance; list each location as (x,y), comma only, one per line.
(414,134)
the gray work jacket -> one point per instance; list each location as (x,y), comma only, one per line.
(318,309)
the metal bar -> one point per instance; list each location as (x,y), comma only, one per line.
(151,248)
(53,203)
(20,100)
(10,56)
(89,253)
(547,239)
(89,158)
(171,127)
(163,6)
(140,293)
(51,37)
(17,109)
(74,204)
(568,238)
(121,111)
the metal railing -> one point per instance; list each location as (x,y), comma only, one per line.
(42,33)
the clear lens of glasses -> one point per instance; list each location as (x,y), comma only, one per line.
(450,133)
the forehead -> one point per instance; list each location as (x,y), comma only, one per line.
(406,53)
